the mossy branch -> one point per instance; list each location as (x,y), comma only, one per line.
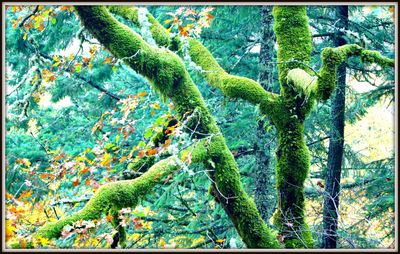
(231,85)
(116,195)
(333,57)
(121,194)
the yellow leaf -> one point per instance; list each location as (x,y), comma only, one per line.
(220,240)
(34,79)
(167,21)
(9,230)
(106,159)
(162,242)
(24,37)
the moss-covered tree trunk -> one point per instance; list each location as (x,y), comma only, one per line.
(294,49)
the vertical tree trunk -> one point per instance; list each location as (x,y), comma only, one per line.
(265,193)
(335,154)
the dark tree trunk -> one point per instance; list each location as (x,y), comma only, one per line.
(335,154)
(265,192)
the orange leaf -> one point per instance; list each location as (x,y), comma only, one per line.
(109,218)
(138,225)
(86,59)
(87,182)
(41,27)
(84,170)
(151,152)
(141,153)
(9,196)
(52,176)
(44,175)
(25,194)
(75,181)
(141,94)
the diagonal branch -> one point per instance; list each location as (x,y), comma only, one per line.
(120,194)
(231,85)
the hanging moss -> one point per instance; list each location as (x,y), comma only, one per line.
(159,33)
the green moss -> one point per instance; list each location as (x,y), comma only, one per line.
(141,164)
(232,86)
(168,75)
(293,36)
(302,82)
(116,195)
(128,12)
(230,194)
(333,57)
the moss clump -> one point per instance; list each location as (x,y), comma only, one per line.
(302,82)
(293,36)
(141,164)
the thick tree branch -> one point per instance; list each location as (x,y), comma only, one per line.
(117,194)
(333,57)
(120,194)
(231,85)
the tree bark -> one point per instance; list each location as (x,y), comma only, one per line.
(335,154)
(265,192)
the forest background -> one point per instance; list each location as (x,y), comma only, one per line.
(77,117)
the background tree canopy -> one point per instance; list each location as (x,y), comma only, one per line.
(187,111)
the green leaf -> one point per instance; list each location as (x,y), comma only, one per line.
(78,68)
(53,20)
(148,133)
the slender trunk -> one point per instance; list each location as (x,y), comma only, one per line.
(265,192)
(335,154)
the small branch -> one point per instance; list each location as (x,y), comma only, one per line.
(30,15)
(323,35)
(317,141)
